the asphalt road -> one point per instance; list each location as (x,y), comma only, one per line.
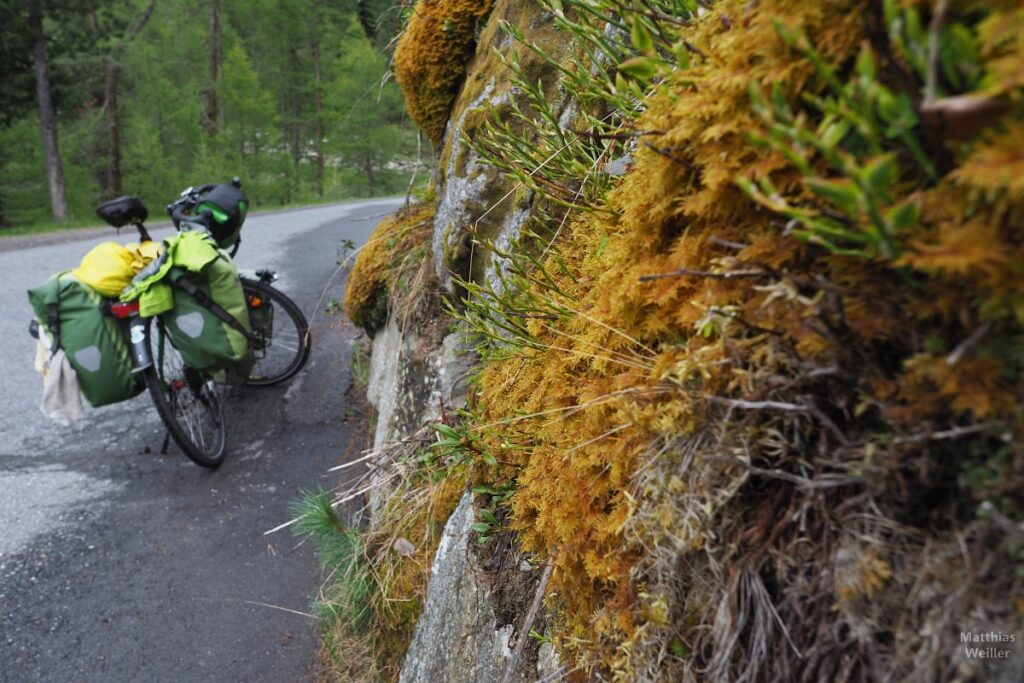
(121,564)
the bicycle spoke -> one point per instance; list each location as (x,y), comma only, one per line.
(189,404)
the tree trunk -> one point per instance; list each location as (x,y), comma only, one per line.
(371,182)
(114,131)
(365,15)
(113,177)
(47,115)
(319,99)
(296,113)
(210,115)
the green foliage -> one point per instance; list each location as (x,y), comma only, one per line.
(509,316)
(620,49)
(458,445)
(365,111)
(558,153)
(487,527)
(339,548)
(17,80)
(958,61)
(495,509)
(539,637)
(23,188)
(867,135)
(276,56)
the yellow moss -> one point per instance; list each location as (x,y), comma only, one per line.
(861,577)
(573,480)
(637,370)
(431,58)
(397,243)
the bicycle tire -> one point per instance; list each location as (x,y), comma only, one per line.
(190,403)
(283,342)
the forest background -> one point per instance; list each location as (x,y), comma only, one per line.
(151,96)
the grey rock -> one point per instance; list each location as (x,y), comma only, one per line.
(508,232)
(460,195)
(618,167)
(456,638)
(382,388)
(548,662)
(454,367)
(408,382)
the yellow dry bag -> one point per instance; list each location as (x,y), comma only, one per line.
(108,268)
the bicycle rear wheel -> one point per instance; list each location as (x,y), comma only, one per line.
(283,339)
(190,403)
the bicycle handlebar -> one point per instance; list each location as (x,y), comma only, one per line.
(186,202)
(176,211)
(189,200)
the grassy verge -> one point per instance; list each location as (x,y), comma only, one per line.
(40,228)
(44,227)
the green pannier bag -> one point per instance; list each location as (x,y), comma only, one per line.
(205,340)
(194,289)
(72,313)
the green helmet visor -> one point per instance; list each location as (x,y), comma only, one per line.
(218,214)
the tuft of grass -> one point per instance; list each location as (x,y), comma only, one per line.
(339,547)
(377,573)
(343,605)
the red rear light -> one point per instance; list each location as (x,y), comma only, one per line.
(123,311)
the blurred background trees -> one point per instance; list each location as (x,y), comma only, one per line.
(150,96)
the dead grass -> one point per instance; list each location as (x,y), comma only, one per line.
(407,501)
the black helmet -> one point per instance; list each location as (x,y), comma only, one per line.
(225,206)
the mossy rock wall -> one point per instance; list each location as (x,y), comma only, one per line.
(475,201)
(464,633)
(760,454)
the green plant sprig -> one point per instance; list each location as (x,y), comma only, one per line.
(866,137)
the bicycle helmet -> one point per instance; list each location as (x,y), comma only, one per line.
(225,207)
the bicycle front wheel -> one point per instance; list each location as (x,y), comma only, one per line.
(189,402)
(282,341)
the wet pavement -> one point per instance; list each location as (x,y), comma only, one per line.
(119,563)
